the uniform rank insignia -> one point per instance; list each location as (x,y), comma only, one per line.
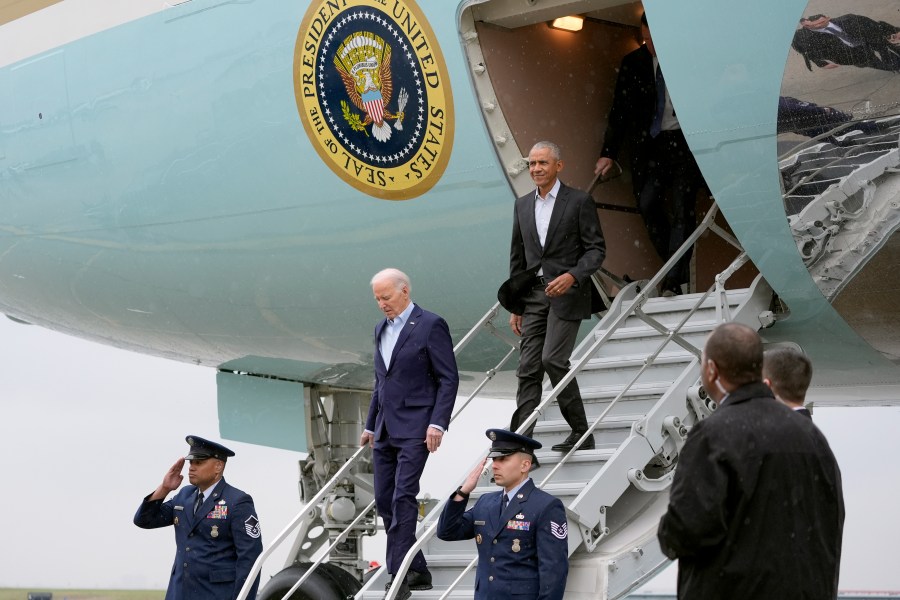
(559,531)
(251,526)
(219,512)
(214,532)
(516,547)
(519,525)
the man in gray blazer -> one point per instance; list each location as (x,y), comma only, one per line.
(556,246)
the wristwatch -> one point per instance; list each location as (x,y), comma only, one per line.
(459,491)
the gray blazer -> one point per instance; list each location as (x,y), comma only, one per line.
(574,244)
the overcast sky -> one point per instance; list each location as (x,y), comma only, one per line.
(89,430)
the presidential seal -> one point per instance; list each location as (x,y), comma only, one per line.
(374,96)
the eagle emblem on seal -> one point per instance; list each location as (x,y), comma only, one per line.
(363,61)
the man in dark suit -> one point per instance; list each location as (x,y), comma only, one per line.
(848,40)
(661,161)
(787,372)
(415,389)
(557,244)
(217,533)
(756,508)
(521,533)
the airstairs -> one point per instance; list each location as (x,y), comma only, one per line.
(638,372)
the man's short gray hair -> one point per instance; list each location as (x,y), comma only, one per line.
(395,276)
(554,149)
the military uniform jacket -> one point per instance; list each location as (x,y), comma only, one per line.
(216,548)
(756,508)
(522,554)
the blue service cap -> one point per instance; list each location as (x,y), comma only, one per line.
(506,442)
(201,449)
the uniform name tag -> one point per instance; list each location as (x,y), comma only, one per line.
(479,522)
(179,508)
(519,525)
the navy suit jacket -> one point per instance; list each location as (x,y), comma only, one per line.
(523,553)
(419,388)
(574,244)
(215,549)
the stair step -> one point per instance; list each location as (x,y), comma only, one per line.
(645,331)
(612,431)
(686,302)
(596,456)
(637,360)
(610,422)
(655,388)
(454,561)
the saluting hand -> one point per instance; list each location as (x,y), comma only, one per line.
(171,481)
(173,478)
(473,477)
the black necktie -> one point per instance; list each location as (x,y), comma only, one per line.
(503,504)
(656,127)
(198,503)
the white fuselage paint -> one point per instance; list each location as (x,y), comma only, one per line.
(70,20)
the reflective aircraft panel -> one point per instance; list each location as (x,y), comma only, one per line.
(839,125)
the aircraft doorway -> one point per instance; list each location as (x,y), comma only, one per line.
(539,83)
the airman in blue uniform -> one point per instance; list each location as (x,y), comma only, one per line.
(216,528)
(523,548)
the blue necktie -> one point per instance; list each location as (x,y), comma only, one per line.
(656,127)
(503,504)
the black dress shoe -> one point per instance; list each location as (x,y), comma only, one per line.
(570,441)
(669,288)
(402,594)
(419,581)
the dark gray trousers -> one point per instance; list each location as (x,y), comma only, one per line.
(547,344)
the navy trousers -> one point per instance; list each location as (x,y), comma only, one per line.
(399,463)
